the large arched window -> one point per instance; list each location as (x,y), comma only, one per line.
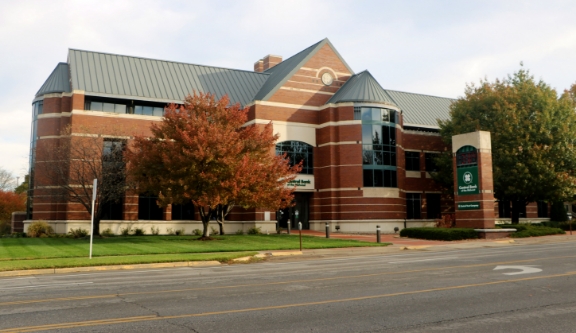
(297,151)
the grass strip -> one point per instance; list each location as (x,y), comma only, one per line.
(117,260)
(46,248)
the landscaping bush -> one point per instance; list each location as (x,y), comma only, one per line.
(126,231)
(518,227)
(535,231)
(562,225)
(78,233)
(447,234)
(558,212)
(179,232)
(155,230)
(197,232)
(107,233)
(40,229)
(255,231)
(5,227)
(239,232)
(139,232)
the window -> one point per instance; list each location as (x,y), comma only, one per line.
(149,110)
(412,161)
(297,151)
(148,208)
(37,108)
(112,210)
(433,206)
(378,145)
(183,212)
(413,206)
(430,159)
(542,209)
(105,107)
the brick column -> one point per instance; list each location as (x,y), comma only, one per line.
(468,214)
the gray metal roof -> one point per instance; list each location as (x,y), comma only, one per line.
(57,82)
(361,87)
(421,109)
(103,74)
(280,73)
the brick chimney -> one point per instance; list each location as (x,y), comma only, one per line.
(268,61)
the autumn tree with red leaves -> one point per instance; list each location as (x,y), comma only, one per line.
(202,152)
(10,202)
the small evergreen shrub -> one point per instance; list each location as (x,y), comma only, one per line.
(179,232)
(40,229)
(446,234)
(5,227)
(139,232)
(535,231)
(562,225)
(558,212)
(197,232)
(255,231)
(154,230)
(78,233)
(107,233)
(126,231)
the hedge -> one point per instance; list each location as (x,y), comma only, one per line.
(446,234)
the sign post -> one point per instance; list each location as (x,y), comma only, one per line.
(92,218)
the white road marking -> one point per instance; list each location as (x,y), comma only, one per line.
(523,269)
(420,260)
(50,285)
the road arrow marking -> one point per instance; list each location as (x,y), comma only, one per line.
(523,269)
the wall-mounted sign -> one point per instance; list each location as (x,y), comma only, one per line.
(302,182)
(468,205)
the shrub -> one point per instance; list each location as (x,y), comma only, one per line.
(558,212)
(214,231)
(179,232)
(40,229)
(562,225)
(239,232)
(535,231)
(170,231)
(106,232)
(447,234)
(518,227)
(126,231)
(5,227)
(255,231)
(139,232)
(154,230)
(197,232)
(78,233)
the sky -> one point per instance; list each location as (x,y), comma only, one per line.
(426,47)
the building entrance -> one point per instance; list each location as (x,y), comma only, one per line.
(288,215)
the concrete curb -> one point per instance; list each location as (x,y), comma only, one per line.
(109,268)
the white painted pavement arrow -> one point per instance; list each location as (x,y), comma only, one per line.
(523,269)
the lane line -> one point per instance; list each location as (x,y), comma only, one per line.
(49,285)
(420,260)
(274,283)
(266,308)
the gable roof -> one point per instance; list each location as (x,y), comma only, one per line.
(420,109)
(280,73)
(361,87)
(57,82)
(111,75)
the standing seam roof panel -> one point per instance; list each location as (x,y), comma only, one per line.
(105,73)
(173,80)
(158,79)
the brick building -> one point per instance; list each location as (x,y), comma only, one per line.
(367,151)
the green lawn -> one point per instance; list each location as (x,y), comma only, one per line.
(44,248)
(10,265)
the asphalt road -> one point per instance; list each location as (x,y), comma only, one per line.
(413,291)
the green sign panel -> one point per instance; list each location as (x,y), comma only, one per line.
(468,205)
(468,180)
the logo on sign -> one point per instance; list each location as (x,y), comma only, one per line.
(467,177)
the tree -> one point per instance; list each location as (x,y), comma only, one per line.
(533,134)
(6,180)
(23,187)
(202,152)
(67,169)
(9,202)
